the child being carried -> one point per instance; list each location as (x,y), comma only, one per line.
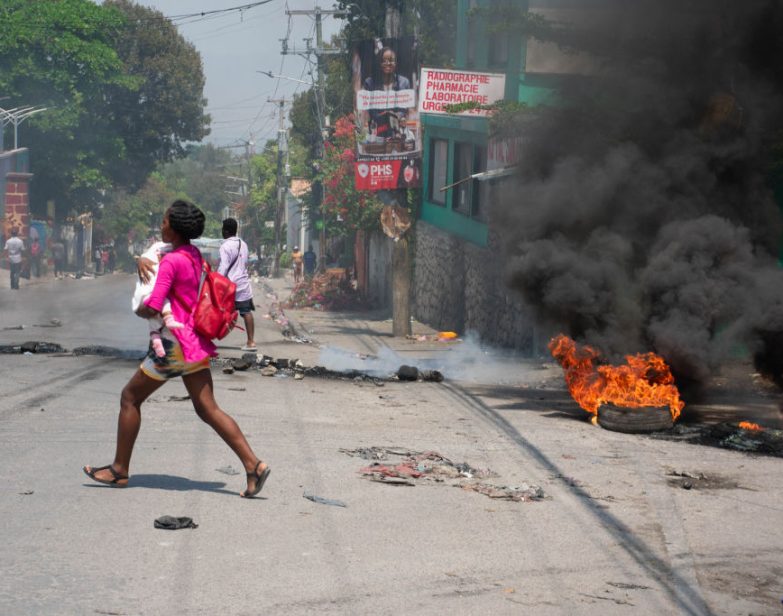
(143,289)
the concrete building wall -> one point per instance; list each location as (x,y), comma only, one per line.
(459,286)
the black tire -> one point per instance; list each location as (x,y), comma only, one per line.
(635,421)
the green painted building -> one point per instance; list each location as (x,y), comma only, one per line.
(456,145)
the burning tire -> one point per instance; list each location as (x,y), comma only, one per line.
(635,420)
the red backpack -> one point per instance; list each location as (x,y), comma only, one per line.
(215,313)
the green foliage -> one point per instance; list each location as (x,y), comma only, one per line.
(122,87)
(286,260)
(508,17)
(200,178)
(136,216)
(345,209)
(167,108)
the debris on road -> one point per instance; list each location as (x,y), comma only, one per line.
(412,373)
(169,522)
(699,481)
(31,347)
(439,337)
(331,290)
(51,323)
(414,467)
(243,363)
(408,373)
(324,501)
(227,470)
(20,327)
(524,493)
(378,453)
(727,435)
(104,351)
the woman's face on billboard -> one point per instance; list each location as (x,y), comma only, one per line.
(389,62)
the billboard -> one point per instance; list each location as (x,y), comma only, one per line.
(441,87)
(388,131)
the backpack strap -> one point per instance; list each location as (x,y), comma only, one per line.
(239,251)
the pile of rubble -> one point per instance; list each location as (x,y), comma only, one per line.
(742,436)
(331,290)
(269,366)
(395,466)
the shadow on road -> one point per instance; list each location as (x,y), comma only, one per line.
(173,483)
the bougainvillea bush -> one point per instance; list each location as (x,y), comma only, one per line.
(346,209)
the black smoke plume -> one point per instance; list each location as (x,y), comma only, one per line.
(643,216)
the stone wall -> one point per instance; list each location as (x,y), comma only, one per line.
(460,287)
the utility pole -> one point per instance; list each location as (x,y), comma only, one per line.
(320,99)
(401,261)
(282,189)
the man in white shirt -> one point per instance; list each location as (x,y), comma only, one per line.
(13,251)
(233,265)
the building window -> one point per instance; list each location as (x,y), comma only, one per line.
(439,155)
(498,50)
(471,195)
(463,168)
(480,196)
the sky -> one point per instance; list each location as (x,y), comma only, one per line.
(234,45)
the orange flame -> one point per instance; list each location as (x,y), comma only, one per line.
(749,425)
(645,380)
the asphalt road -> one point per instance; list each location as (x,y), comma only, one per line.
(616,533)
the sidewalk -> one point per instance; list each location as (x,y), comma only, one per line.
(363,340)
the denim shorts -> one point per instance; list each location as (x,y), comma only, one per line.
(245,306)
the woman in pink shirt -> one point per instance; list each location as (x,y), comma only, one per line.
(187,355)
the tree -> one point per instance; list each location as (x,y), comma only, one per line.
(59,55)
(200,178)
(104,72)
(133,217)
(167,108)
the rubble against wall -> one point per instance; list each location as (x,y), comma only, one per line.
(459,286)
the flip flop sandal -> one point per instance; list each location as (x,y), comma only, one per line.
(114,483)
(260,480)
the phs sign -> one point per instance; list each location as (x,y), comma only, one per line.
(441,87)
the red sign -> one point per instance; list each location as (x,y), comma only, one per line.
(387,174)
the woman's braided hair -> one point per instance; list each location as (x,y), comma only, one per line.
(186,219)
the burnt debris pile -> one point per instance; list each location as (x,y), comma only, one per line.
(284,367)
(643,216)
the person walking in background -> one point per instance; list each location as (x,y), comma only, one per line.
(105,260)
(35,257)
(296,258)
(14,246)
(112,259)
(233,265)
(309,260)
(187,355)
(58,255)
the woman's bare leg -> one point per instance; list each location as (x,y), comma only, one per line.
(137,390)
(200,388)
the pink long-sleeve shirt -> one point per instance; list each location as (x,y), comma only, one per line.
(177,272)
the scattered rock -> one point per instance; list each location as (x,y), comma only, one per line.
(408,373)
